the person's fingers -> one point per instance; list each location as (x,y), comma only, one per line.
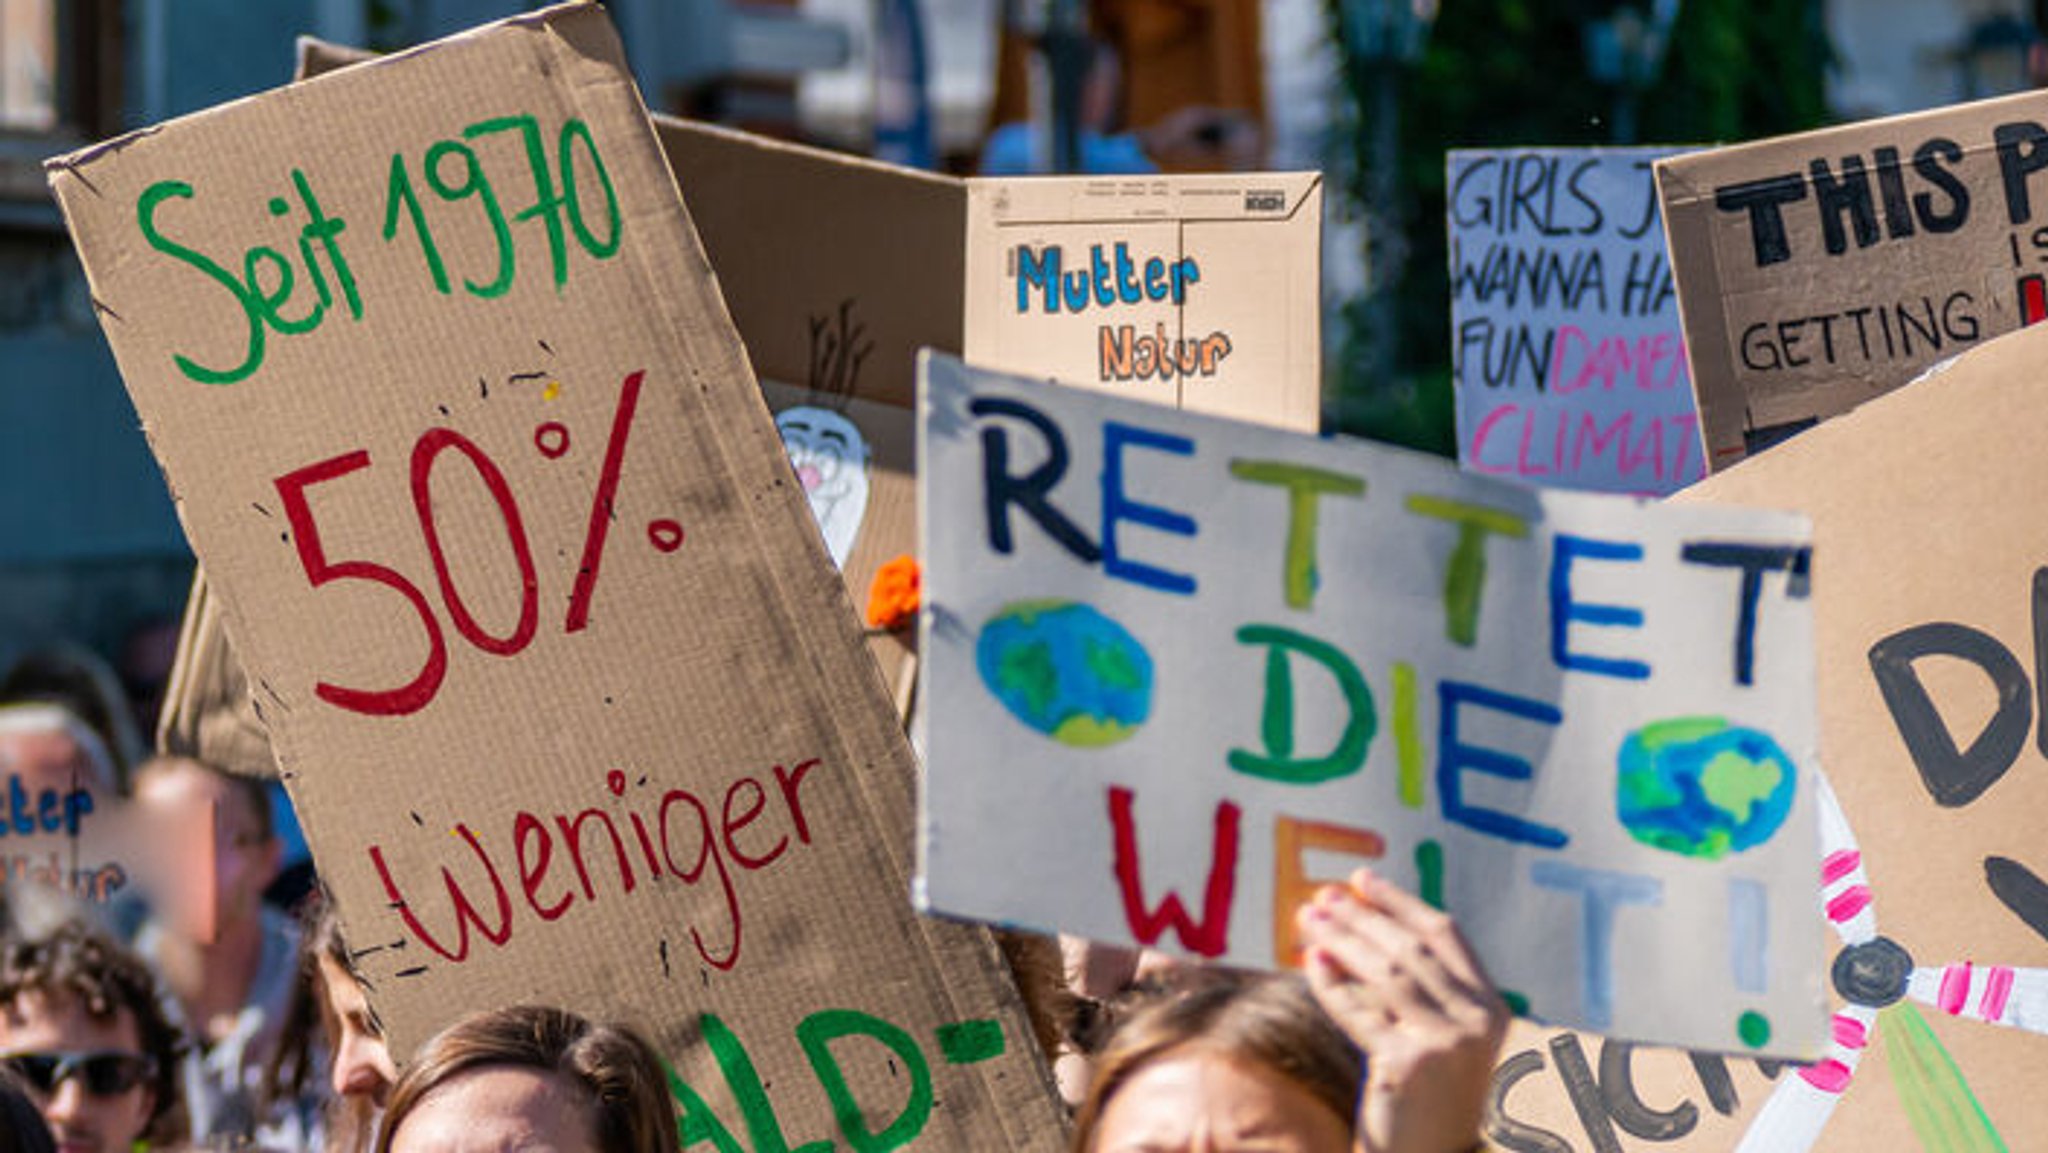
(1322,929)
(1430,923)
(1355,1006)
(1418,985)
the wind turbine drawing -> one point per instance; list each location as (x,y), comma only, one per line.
(1880,982)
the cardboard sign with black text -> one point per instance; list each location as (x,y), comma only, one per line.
(1181,670)
(1566,356)
(1930,599)
(563,682)
(1820,270)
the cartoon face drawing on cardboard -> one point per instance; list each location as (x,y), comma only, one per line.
(831,460)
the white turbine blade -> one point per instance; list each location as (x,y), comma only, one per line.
(1993,993)
(1845,887)
(1799,1108)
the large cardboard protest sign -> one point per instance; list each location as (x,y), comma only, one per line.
(837,270)
(860,267)
(1567,359)
(1180,669)
(564,685)
(1930,642)
(1820,270)
(1199,292)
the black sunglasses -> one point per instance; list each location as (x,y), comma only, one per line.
(107,1073)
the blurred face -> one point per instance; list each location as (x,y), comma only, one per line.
(51,761)
(181,795)
(1200,1101)
(81,1120)
(362,1065)
(499,1109)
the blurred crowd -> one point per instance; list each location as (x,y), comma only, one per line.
(194,995)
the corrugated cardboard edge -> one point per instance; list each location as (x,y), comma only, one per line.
(883,787)
(1308,323)
(317,57)
(739,138)
(1700,172)
(1717,397)
(208,714)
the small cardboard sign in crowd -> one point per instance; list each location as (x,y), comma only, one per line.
(546,592)
(1196,292)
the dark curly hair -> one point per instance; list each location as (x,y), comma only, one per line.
(75,961)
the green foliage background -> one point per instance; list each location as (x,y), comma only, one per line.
(1513,72)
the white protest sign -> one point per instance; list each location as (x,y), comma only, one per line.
(1181,669)
(1567,356)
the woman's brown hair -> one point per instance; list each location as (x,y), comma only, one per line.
(1266,1020)
(310,1021)
(618,1073)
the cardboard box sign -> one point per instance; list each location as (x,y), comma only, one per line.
(558,671)
(837,270)
(1820,270)
(1566,355)
(1199,292)
(1931,650)
(1180,669)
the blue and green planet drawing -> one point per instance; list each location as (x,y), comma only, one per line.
(1700,787)
(1066,671)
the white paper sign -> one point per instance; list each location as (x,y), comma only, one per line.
(1567,355)
(1180,670)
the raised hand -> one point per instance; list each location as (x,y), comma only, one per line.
(1399,979)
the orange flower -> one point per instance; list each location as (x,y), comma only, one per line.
(893,597)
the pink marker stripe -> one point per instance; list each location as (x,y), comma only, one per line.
(1829,1076)
(1850,1033)
(1848,903)
(1955,989)
(1839,864)
(1997,987)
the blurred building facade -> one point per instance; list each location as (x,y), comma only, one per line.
(1903,55)
(89,544)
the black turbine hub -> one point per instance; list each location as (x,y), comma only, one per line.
(1872,974)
